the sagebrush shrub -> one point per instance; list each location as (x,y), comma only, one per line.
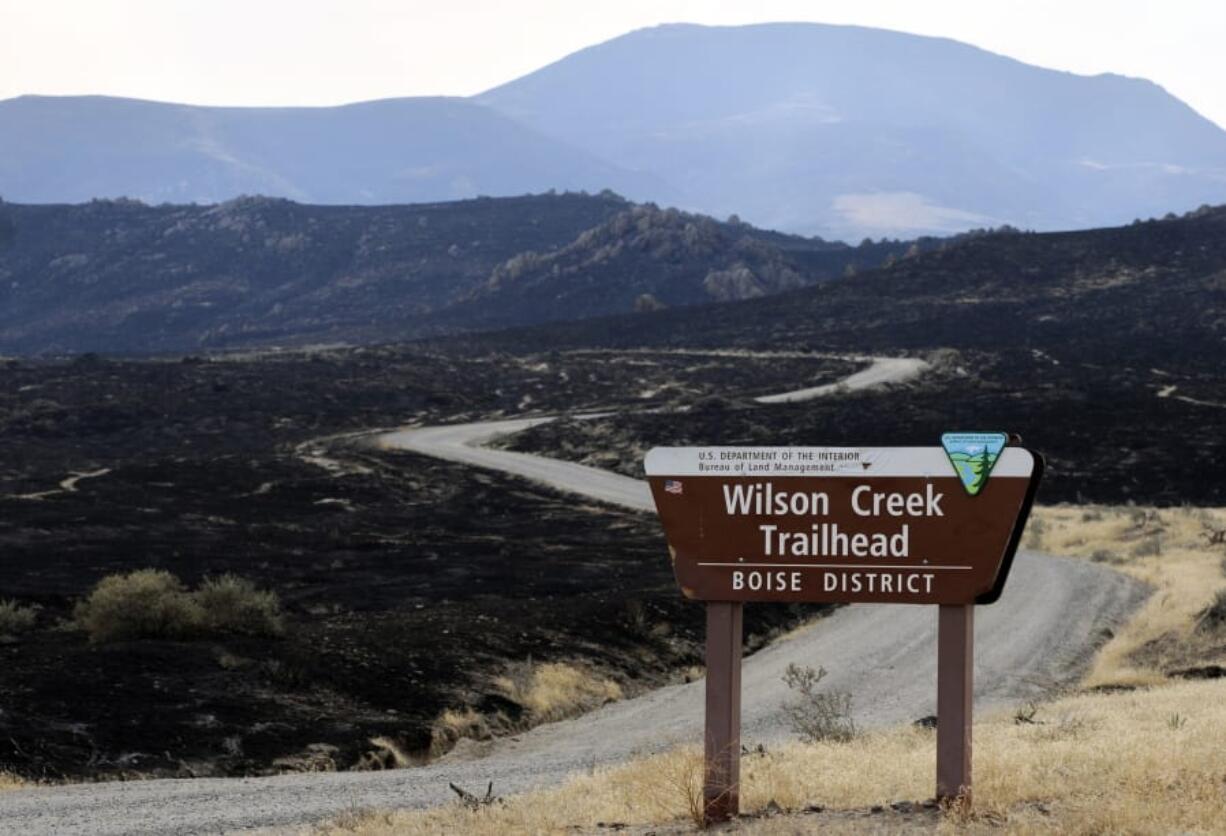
(144,604)
(230,604)
(15,619)
(817,715)
(154,604)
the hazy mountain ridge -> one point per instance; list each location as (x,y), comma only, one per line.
(845,130)
(121,276)
(833,130)
(73,148)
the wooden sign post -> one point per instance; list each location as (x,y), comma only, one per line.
(918,525)
(722,749)
(955,688)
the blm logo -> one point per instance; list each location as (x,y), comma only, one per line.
(973,456)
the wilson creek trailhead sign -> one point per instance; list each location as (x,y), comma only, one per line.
(902,525)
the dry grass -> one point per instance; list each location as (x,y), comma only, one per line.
(16,619)
(385,753)
(9,781)
(1168,550)
(1150,761)
(556,690)
(454,725)
(546,692)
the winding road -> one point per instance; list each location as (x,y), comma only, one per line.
(1039,635)
(464,443)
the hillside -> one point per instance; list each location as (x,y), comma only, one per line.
(1103,349)
(409,586)
(648,258)
(1152,292)
(848,131)
(66,149)
(120,276)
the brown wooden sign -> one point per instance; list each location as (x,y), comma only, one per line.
(839,524)
(918,525)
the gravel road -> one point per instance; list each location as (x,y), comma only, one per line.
(1041,633)
(463,442)
(881,370)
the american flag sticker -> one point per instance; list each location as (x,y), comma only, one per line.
(672,486)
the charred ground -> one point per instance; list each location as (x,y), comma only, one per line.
(1104,349)
(1105,432)
(408,583)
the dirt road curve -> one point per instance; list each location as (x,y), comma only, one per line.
(1042,632)
(881,370)
(463,442)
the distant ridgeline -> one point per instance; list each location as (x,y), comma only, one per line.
(1150,294)
(122,276)
(1103,348)
(839,131)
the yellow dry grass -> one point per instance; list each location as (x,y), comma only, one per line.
(557,690)
(548,692)
(394,754)
(1149,761)
(1165,548)
(455,724)
(11,782)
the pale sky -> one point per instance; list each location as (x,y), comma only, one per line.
(316,52)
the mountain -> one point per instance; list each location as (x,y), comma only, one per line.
(1102,348)
(122,276)
(840,131)
(848,131)
(74,148)
(1149,296)
(650,258)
